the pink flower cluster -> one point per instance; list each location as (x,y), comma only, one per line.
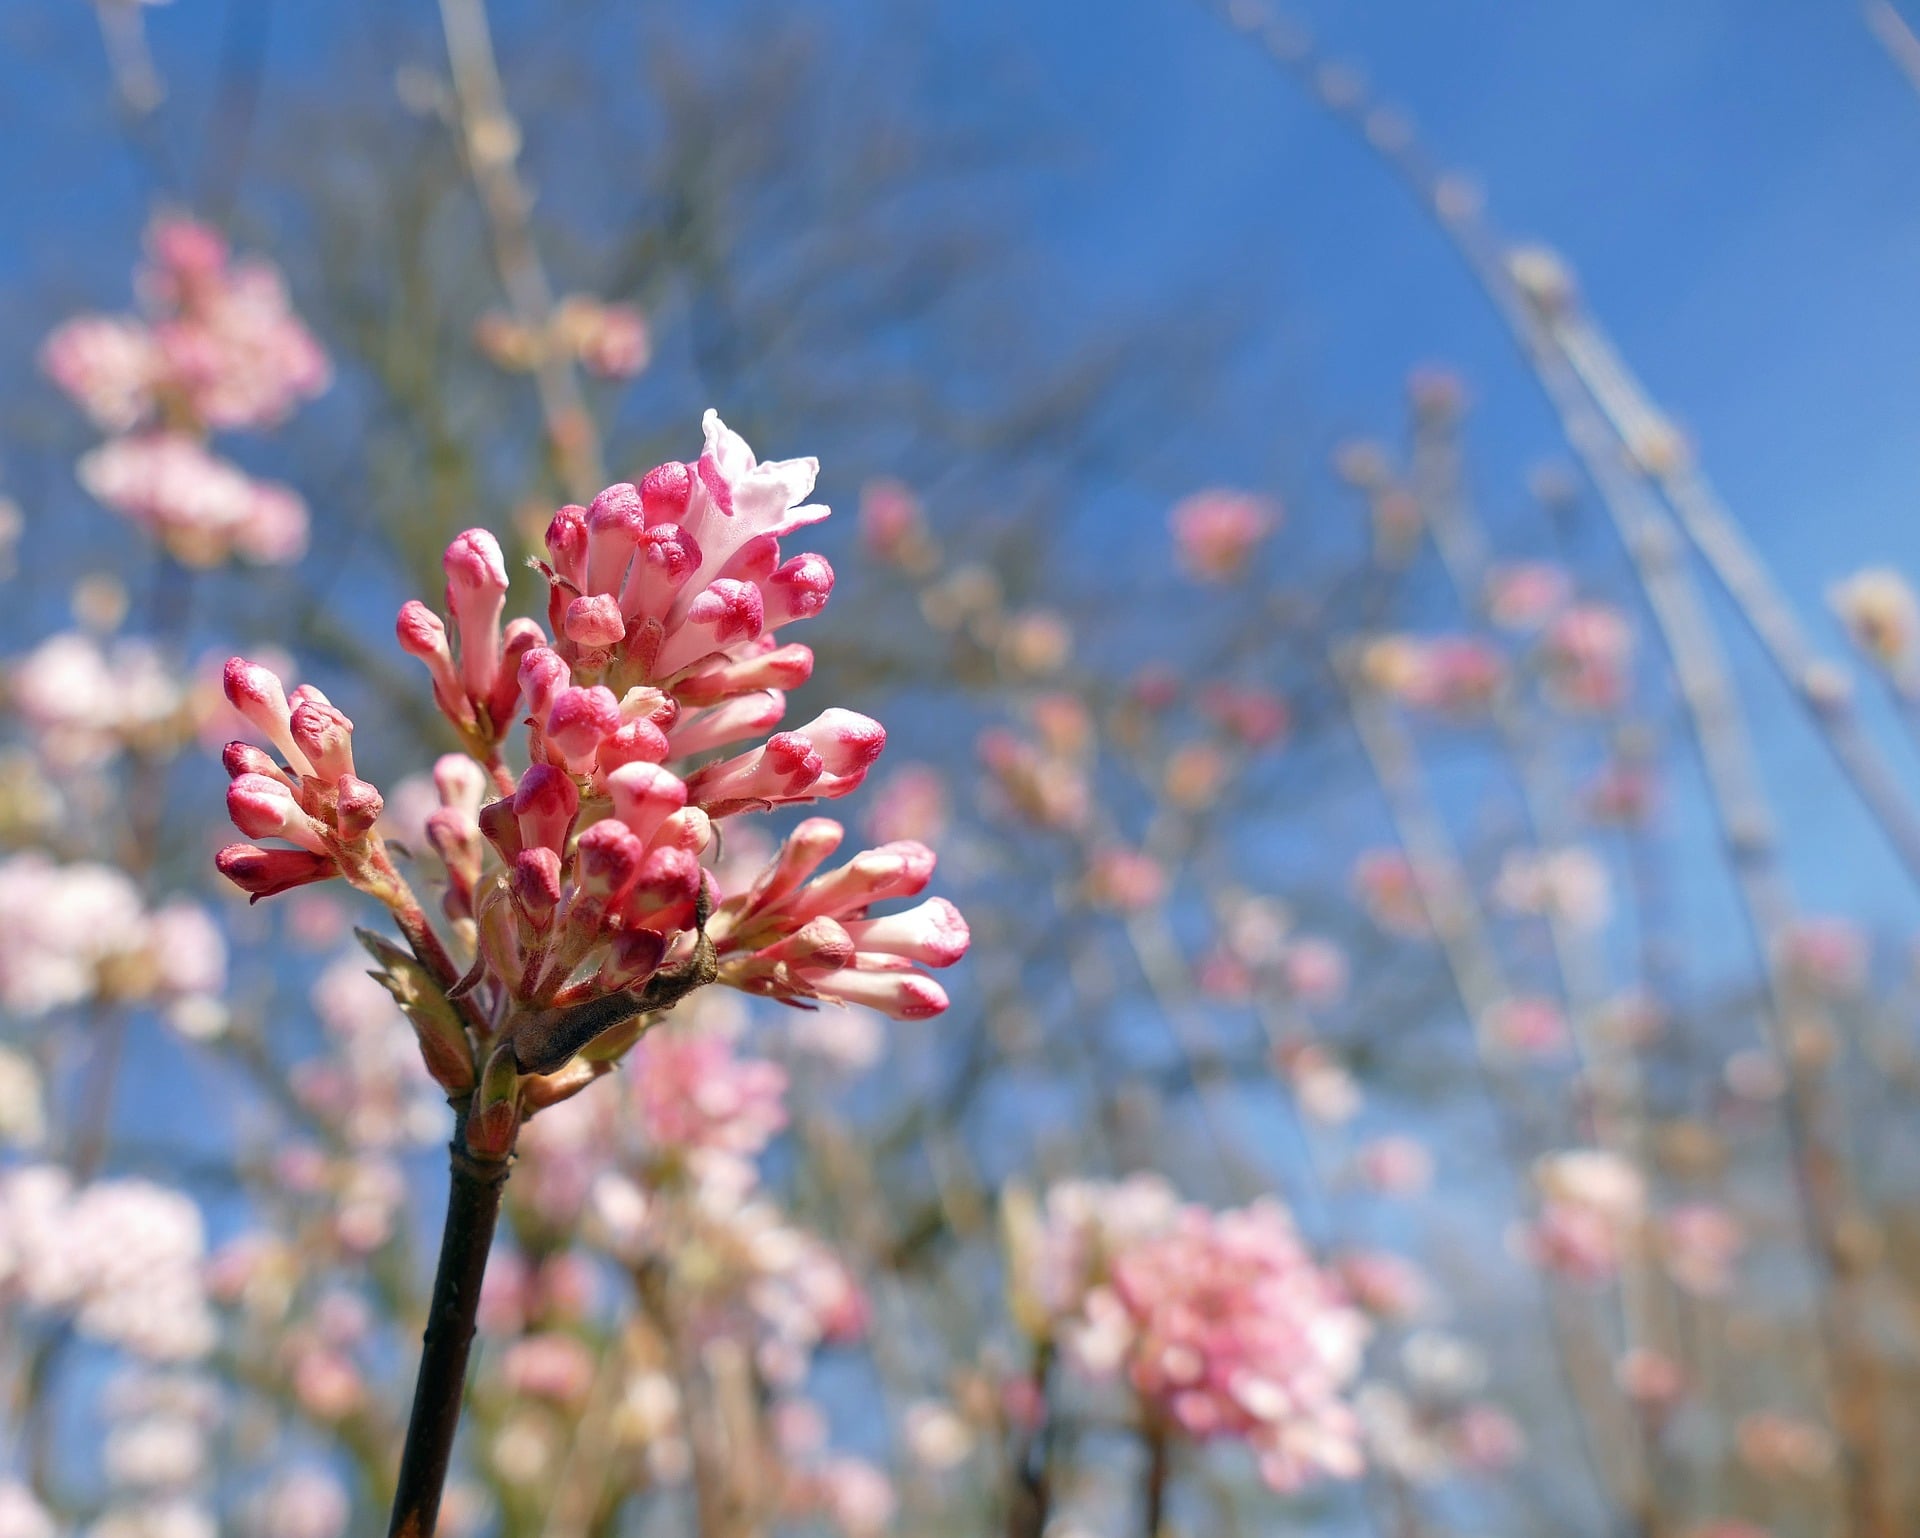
(217,348)
(610,341)
(1450,675)
(1226,1326)
(1587,654)
(1221,1321)
(1592,1204)
(585,879)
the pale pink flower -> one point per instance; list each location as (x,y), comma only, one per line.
(1041,786)
(911,802)
(1826,956)
(1386,1285)
(1651,1379)
(892,526)
(1254,717)
(302,1503)
(61,926)
(1126,880)
(551,1366)
(1702,1244)
(21,1515)
(1881,615)
(1225,1324)
(1395,1166)
(610,340)
(1454,676)
(1623,793)
(856,1497)
(1215,531)
(108,364)
(1777,1446)
(1058,1255)
(1387,885)
(1591,1202)
(1586,655)
(1528,1025)
(203,509)
(1569,884)
(691,1092)
(1526,594)
(86,700)
(1315,971)
(1484,1439)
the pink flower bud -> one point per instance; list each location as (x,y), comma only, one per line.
(535,884)
(360,805)
(522,635)
(501,826)
(847,742)
(261,698)
(804,851)
(421,634)
(669,878)
(543,674)
(900,995)
(638,741)
(933,934)
(900,869)
(721,615)
(615,522)
(635,956)
(644,796)
(263,807)
(239,758)
(785,769)
(820,945)
(754,562)
(668,557)
(748,716)
(567,545)
(608,859)
(265,872)
(798,590)
(595,621)
(544,805)
(461,783)
(325,736)
(665,491)
(779,667)
(476,597)
(455,837)
(689,828)
(579,719)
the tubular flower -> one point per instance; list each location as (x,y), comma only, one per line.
(584,892)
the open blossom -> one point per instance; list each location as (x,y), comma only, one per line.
(69,933)
(86,699)
(1225,1325)
(1591,1204)
(1586,655)
(1881,615)
(217,342)
(204,510)
(1215,531)
(122,1258)
(1570,884)
(694,1093)
(1060,1252)
(1455,676)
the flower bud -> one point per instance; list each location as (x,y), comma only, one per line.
(543,674)
(544,805)
(476,596)
(798,590)
(535,885)
(822,945)
(901,995)
(637,742)
(261,698)
(567,545)
(263,807)
(325,736)
(667,559)
(721,615)
(933,934)
(595,622)
(360,805)
(579,719)
(615,523)
(608,859)
(644,796)
(239,758)
(665,491)
(422,634)
(747,716)
(267,872)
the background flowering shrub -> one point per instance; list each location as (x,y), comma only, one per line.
(1434,1050)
